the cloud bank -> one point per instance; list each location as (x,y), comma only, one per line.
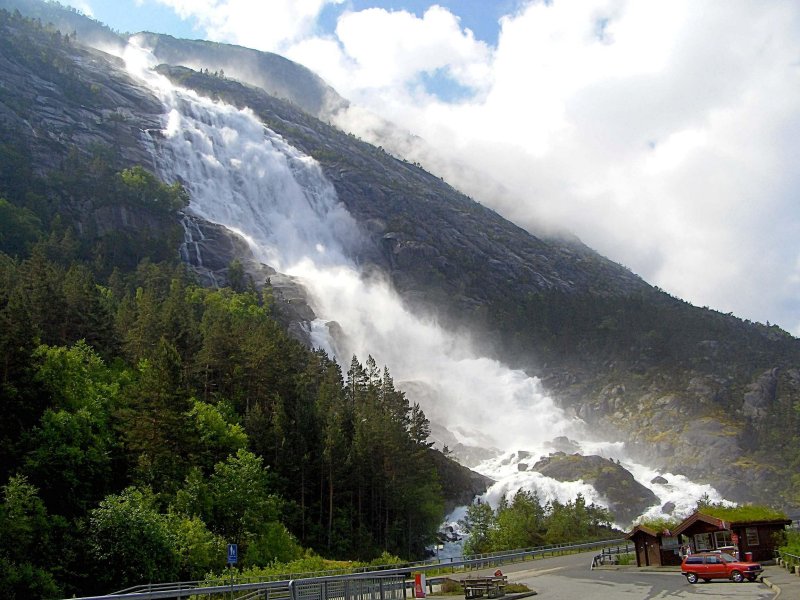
(664,133)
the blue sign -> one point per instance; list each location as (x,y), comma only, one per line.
(233,554)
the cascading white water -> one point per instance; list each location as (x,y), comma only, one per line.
(247,178)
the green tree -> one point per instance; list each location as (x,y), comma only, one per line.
(419,426)
(139,186)
(520,523)
(24,534)
(72,460)
(87,314)
(272,544)
(218,435)
(241,499)
(336,418)
(199,551)
(19,229)
(480,523)
(130,542)
(567,522)
(155,422)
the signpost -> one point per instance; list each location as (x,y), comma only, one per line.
(233,554)
(233,558)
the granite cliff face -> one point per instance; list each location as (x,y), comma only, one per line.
(669,378)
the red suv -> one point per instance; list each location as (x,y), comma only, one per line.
(718,565)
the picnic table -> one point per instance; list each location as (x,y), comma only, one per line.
(492,586)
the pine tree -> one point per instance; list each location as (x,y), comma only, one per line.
(155,423)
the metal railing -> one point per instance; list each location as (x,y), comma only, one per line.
(280,587)
(788,560)
(349,588)
(611,556)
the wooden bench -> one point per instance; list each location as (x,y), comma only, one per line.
(491,587)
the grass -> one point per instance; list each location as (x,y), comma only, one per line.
(626,559)
(741,514)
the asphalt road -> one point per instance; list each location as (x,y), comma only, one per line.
(570,578)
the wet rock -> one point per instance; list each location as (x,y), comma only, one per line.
(625,497)
(659,479)
(563,444)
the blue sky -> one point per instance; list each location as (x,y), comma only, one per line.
(481,16)
(662,132)
(130,16)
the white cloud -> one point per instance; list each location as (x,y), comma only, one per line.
(376,39)
(271,25)
(663,133)
(663,141)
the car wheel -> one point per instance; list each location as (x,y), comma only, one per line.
(691,577)
(737,576)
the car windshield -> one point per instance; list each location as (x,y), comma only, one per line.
(727,557)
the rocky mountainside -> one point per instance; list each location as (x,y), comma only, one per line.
(668,377)
(690,389)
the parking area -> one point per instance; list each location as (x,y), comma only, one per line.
(569,578)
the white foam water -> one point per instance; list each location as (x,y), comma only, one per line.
(244,176)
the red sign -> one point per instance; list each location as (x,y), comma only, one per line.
(419,585)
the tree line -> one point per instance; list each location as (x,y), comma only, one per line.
(149,421)
(523,521)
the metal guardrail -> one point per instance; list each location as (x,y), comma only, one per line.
(611,555)
(360,588)
(793,559)
(278,589)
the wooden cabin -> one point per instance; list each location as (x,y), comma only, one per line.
(655,548)
(754,539)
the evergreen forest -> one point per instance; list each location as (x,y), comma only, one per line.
(148,421)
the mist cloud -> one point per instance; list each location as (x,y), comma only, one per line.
(664,134)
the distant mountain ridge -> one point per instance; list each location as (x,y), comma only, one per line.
(692,390)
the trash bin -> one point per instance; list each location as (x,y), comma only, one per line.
(748,556)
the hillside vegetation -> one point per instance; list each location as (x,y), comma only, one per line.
(149,421)
(141,406)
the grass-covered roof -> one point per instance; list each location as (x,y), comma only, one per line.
(742,514)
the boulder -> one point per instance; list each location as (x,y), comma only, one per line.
(625,497)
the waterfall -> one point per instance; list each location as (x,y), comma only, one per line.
(244,176)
